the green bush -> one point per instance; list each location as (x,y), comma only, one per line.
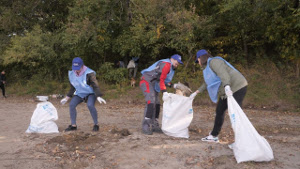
(108,74)
(38,85)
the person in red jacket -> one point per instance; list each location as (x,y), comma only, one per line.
(155,79)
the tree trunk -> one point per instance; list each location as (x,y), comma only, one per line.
(245,48)
(297,64)
(296,4)
(297,69)
(129,13)
(190,57)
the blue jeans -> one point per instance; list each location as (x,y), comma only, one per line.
(91,99)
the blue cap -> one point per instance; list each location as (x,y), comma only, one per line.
(200,53)
(77,63)
(177,57)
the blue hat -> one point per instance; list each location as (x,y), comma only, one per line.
(200,53)
(177,57)
(77,63)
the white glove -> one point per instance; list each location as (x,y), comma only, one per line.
(166,96)
(228,91)
(100,100)
(175,85)
(64,100)
(193,95)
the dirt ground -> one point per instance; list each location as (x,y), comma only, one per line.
(120,144)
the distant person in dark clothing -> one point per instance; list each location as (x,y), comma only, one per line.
(119,64)
(133,67)
(2,83)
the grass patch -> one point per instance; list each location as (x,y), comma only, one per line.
(268,87)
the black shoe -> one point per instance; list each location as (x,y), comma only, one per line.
(71,128)
(96,128)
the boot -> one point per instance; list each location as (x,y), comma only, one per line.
(147,126)
(155,123)
(155,126)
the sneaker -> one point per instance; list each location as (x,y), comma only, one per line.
(71,128)
(96,128)
(211,138)
(147,127)
(155,126)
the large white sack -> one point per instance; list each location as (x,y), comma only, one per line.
(248,145)
(177,115)
(42,120)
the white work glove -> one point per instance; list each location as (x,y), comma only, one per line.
(228,91)
(100,100)
(175,85)
(193,95)
(64,100)
(166,96)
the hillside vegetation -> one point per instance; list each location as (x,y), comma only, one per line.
(39,39)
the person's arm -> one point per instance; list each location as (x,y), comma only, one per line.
(165,69)
(202,88)
(219,67)
(71,91)
(92,81)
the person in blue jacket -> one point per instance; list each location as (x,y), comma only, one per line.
(84,87)
(221,80)
(154,80)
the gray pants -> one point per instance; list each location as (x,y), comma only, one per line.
(132,72)
(152,107)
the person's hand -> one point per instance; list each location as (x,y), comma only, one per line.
(166,96)
(193,95)
(175,85)
(228,91)
(64,100)
(101,100)
(169,84)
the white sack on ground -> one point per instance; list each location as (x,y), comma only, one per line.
(42,120)
(177,115)
(248,145)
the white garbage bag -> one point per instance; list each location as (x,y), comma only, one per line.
(248,145)
(42,120)
(177,115)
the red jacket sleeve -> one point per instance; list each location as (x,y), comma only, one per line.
(163,76)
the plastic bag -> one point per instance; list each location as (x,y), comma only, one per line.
(177,115)
(42,120)
(131,64)
(248,145)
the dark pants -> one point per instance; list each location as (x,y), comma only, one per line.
(3,88)
(222,107)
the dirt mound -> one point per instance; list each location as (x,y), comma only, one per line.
(79,147)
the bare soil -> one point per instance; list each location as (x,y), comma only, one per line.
(120,144)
